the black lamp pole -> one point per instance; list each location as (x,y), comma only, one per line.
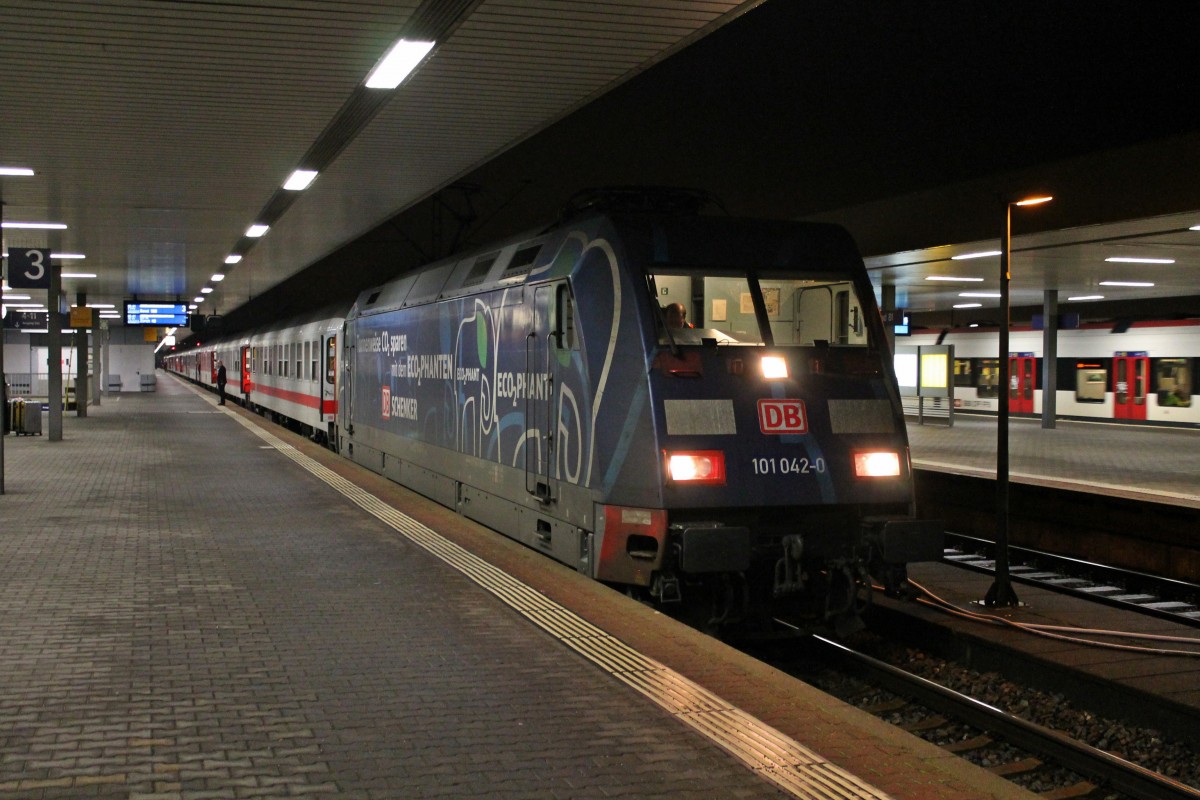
(1001,592)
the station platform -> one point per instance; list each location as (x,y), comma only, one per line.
(198,604)
(1156,464)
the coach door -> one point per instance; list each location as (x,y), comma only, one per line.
(1130,378)
(246,386)
(1022,378)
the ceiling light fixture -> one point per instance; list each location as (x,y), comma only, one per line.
(968,305)
(1130,260)
(78,275)
(1135,284)
(256,230)
(300,179)
(217,277)
(43,226)
(978,294)
(68,256)
(1087,297)
(16,171)
(967,256)
(232,259)
(198,299)
(398,64)
(206,290)
(950,278)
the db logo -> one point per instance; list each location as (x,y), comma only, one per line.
(782,416)
(387,402)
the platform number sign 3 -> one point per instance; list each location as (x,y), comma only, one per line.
(29,269)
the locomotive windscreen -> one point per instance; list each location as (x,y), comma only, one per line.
(800,311)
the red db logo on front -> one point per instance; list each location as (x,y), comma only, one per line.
(782,416)
(387,402)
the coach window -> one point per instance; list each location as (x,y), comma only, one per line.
(1173,382)
(1091,382)
(989,378)
(330,359)
(313,374)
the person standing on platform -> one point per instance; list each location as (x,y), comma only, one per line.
(221,378)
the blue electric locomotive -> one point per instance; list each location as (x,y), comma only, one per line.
(752,463)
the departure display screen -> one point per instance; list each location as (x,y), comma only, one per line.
(166,314)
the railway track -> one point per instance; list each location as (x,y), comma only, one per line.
(1017,747)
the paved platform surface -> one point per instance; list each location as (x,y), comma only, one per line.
(1152,463)
(190,607)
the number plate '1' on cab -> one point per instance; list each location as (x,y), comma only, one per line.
(782,416)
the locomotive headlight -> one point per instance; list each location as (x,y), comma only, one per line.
(774,368)
(697,466)
(881,464)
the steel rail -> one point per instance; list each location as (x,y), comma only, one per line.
(1091,762)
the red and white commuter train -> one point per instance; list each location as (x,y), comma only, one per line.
(1144,372)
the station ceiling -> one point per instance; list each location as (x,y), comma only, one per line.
(159,132)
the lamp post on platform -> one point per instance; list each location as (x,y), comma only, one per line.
(1001,592)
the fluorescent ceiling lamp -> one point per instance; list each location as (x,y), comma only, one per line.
(1034,201)
(983,254)
(1125,283)
(16,171)
(1130,260)
(78,275)
(100,305)
(1194,228)
(300,179)
(232,259)
(192,307)
(198,299)
(217,277)
(68,256)
(255,231)
(25,305)
(968,305)
(44,226)
(399,62)
(16,297)
(978,294)
(206,290)
(951,278)
(1088,297)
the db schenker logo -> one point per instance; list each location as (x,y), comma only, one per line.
(387,402)
(782,416)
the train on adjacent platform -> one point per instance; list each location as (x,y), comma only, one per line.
(1126,372)
(752,465)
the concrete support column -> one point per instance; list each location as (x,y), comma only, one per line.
(81,362)
(888,303)
(1049,357)
(54,373)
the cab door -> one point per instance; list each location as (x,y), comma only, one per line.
(1130,380)
(1022,379)
(538,390)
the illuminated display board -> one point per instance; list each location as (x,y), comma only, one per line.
(167,314)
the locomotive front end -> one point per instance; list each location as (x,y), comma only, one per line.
(784,469)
